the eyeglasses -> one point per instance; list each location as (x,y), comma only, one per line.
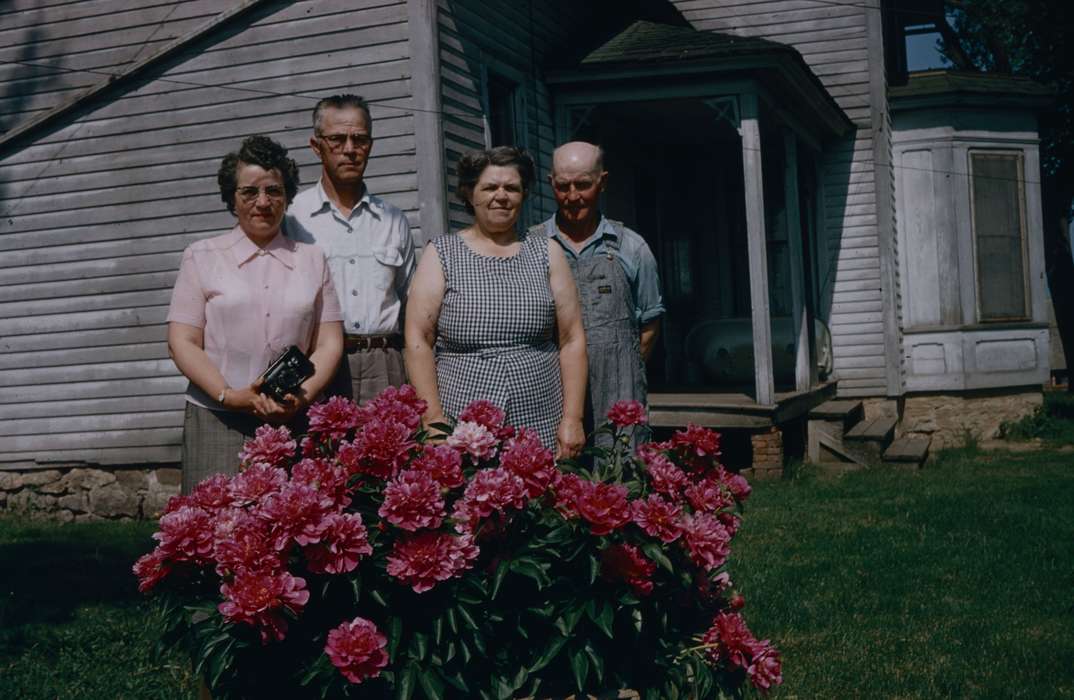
(336,142)
(251,194)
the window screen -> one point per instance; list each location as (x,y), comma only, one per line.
(998,228)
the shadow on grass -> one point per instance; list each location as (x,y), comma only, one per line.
(48,571)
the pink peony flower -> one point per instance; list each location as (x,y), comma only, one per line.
(260,598)
(412,501)
(399,405)
(473,439)
(739,487)
(708,496)
(151,569)
(624,562)
(323,476)
(657,518)
(706,539)
(527,458)
(344,541)
(624,414)
(379,450)
(483,413)
(490,490)
(335,417)
(178,501)
(429,557)
(666,478)
(356,648)
(765,668)
(569,489)
(241,541)
(297,512)
(255,482)
(698,446)
(271,446)
(442,463)
(213,493)
(729,641)
(604,507)
(186,534)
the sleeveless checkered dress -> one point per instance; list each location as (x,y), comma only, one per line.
(496,334)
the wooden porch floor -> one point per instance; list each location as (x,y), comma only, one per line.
(734,410)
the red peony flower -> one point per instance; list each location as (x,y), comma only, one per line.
(569,489)
(604,507)
(429,557)
(708,496)
(323,476)
(271,446)
(489,490)
(657,518)
(706,539)
(527,458)
(241,541)
(399,405)
(297,512)
(186,535)
(412,501)
(624,562)
(442,463)
(213,493)
(260,598)
(473,439)
(151,569)
(334,418)
(484,413)
(737,484)
(624,414)
(255,482)
(765,668)
(380,449)
(356,648)
(729,641)
(343,542)
(666,478)
(699,447)
(178,501)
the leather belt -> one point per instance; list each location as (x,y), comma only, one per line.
(358,343)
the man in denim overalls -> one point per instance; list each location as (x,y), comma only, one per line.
(617,279)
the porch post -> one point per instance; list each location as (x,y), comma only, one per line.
(799,310)
(757,248)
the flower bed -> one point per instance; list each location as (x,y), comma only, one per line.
(366,561)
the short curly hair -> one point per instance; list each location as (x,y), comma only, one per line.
(472,164)
(260,151)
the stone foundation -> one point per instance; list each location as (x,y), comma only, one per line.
(82,494)
(767,454)
(952,420)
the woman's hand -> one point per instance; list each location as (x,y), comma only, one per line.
(570,438)
(250,400)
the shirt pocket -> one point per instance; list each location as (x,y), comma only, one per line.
(387,262)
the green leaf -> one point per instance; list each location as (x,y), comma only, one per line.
(598,664)
(431,684)
(375,595)
(356,587)
(580,668)
(531,569)
(438,630)
(594,568)
(550,653)
(497,579)
(405,687)
(395,633)
(452,622)
(458,681)
(604,618)
(419,646)
(654,551)
(467,619)
(464,652)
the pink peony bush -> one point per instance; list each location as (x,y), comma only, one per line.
(363,559)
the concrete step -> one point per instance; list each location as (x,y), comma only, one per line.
(909,451)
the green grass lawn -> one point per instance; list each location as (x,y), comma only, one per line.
(955,581)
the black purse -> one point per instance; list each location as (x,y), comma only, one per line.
(286,373)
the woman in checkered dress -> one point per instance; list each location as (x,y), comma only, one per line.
(494,314)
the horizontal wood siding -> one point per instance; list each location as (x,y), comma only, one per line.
(95,213)
(509,39)
(834,39)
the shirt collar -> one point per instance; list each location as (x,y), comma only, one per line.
(280,247)
(604,230)
(368,201)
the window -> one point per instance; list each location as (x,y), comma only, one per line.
(501,109)
(998,203)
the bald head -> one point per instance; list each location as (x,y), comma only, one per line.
(578,157)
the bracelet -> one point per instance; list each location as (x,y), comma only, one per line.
(222,395)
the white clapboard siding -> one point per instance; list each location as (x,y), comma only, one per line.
(834,39)
(96,208)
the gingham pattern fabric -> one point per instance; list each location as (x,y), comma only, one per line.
(496,334)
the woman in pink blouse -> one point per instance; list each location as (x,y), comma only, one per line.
(241,299)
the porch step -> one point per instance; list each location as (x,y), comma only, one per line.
(867,440)
(908,451)
(849,413)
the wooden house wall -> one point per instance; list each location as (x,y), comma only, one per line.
(840,41)
(95,213)
(512,39)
